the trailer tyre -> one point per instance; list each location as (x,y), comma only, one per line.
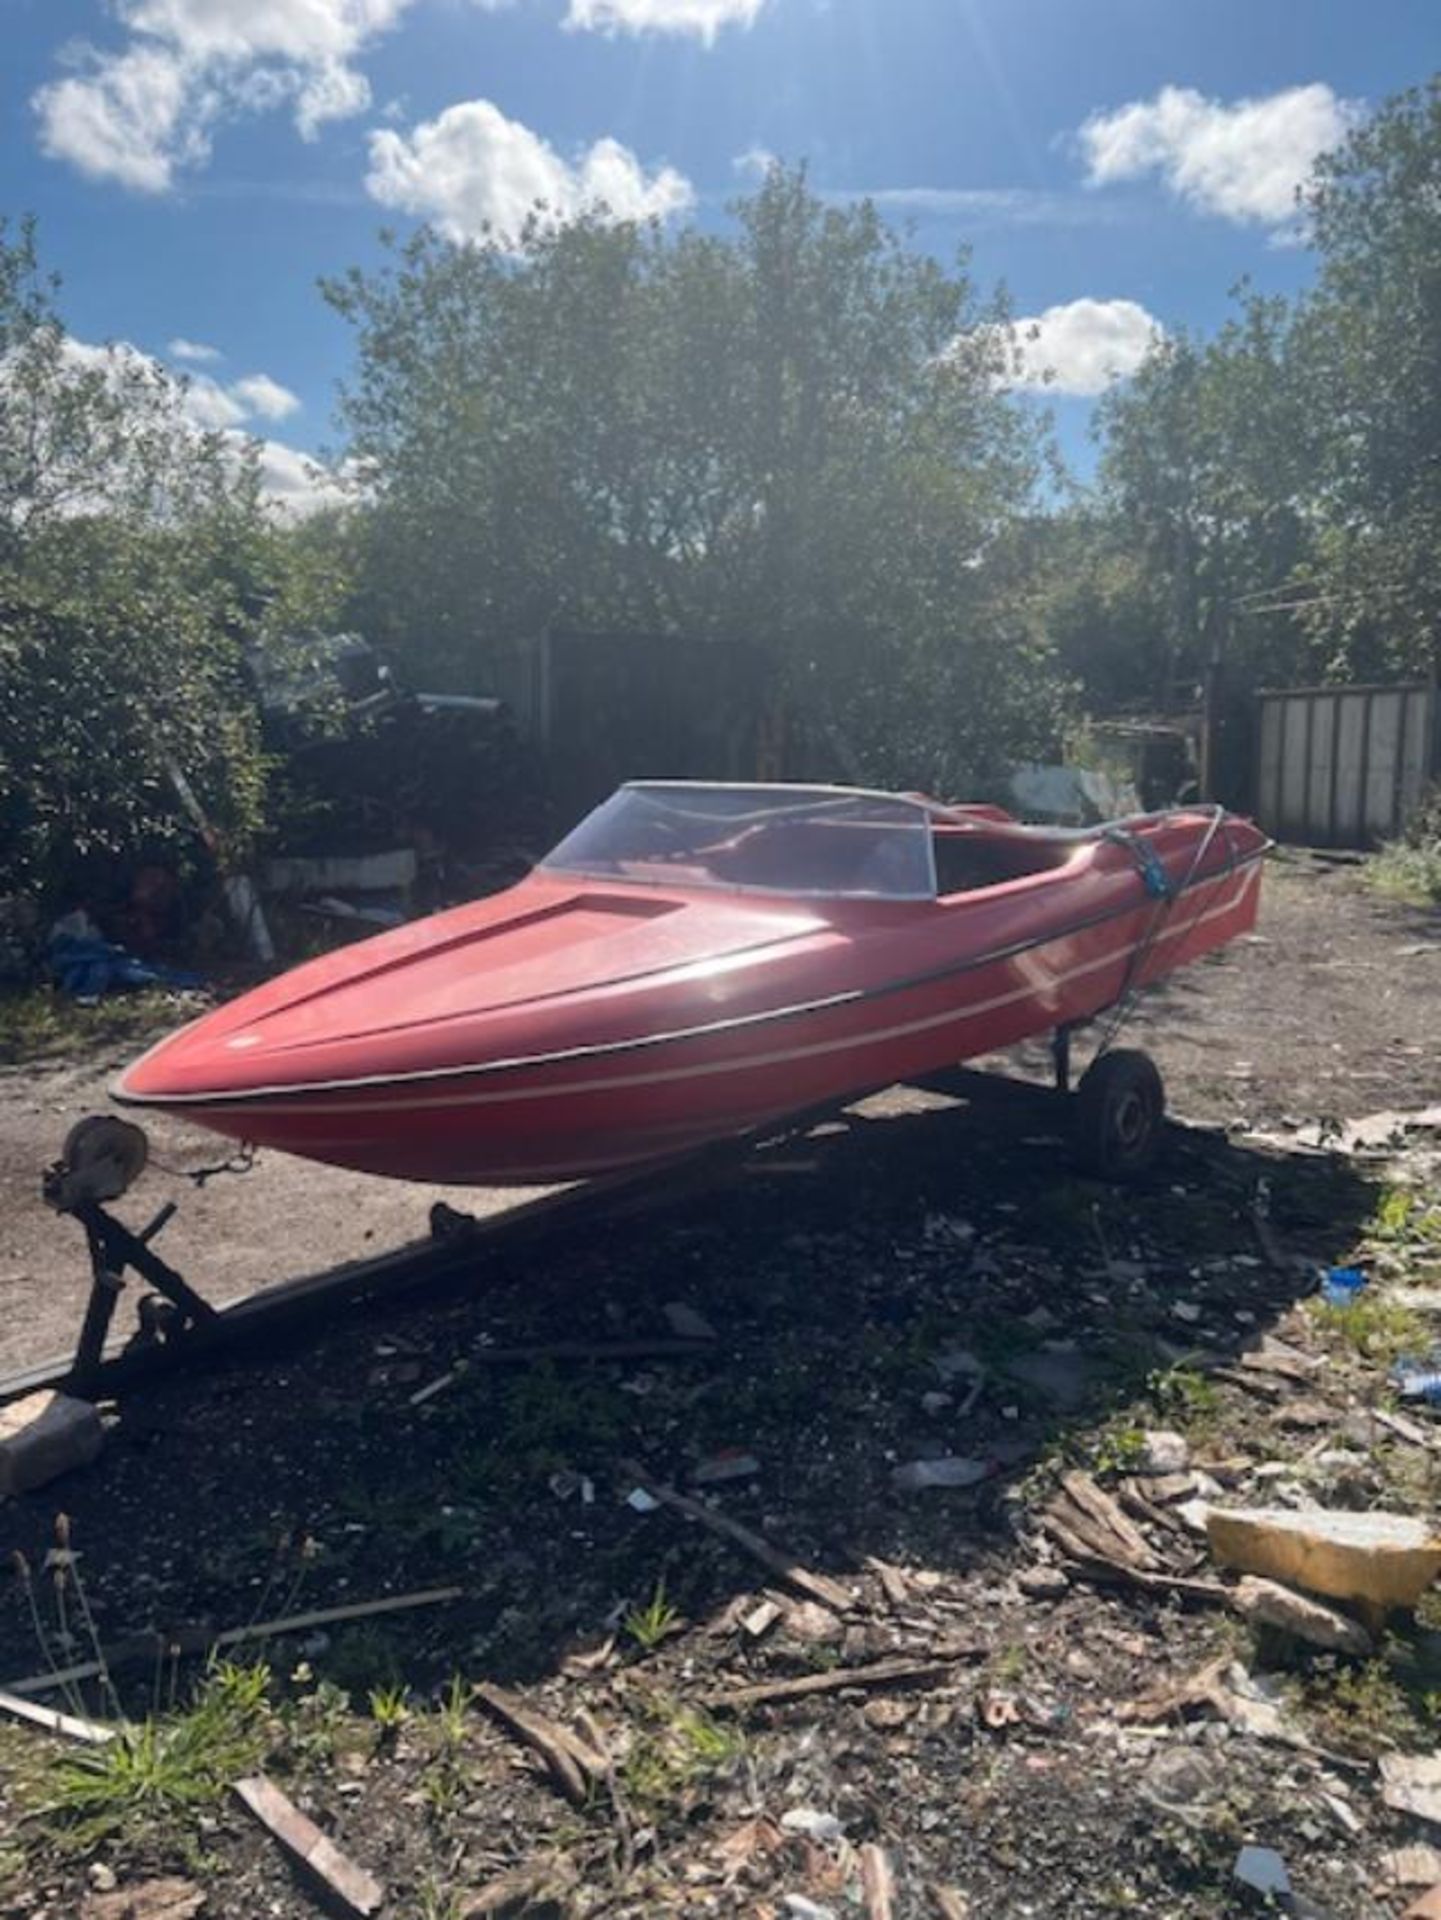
(1120,1107)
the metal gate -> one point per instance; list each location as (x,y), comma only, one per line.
(1343,766)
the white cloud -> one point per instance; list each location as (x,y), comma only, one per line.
(144,112)
(259,394)
(473,172)
(755,163)
(209,406)
(131,117)
(193,350)
(1081,347)
(1243,161)
(703,18)
(293,483)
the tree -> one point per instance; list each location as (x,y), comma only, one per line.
(137,564)
(793,432)
(1206,468)
(1371,338)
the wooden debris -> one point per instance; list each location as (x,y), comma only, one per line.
(1275,1357)
(878,1885)
(1091,1527)
(880,1673)
(573,1763)
(761,1619)
(170,1898)
(950,1903)
(146,1646)
(526,1893)
(62,1723)
(813,1586)
(357,1891)
(893,1582)
(1405,1428)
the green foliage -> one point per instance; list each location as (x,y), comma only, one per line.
(1372,353)
(656,1621)
(1410,868)
(137,562)
(673,1753)
(161,1772)
(1373,1327)
(793,432)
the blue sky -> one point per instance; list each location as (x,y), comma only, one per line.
(1120,164)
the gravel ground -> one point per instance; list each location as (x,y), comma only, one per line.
(842,1284)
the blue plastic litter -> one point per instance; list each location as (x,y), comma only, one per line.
(1340,1286)
(87,967)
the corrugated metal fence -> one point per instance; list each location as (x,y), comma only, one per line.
(1344,766)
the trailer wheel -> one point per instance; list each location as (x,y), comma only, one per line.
(1120,1105)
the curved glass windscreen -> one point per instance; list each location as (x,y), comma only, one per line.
(794,840)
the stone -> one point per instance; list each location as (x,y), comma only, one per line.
(1267,1602)
(1042,1583)
(45,1435)
(1381,1561)
(1412,1866)
(812,1623)
(1411,1783)
(1163,1452)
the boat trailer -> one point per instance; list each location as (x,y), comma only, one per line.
(1116,1115)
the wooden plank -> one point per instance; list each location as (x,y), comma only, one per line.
(814,1586)
(915,1670)
(356,1890)
(64,1724)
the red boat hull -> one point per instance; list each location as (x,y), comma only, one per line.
(707,1018)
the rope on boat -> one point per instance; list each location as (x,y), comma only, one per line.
(1166,893)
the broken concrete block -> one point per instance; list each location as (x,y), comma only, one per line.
(1267,1602)
(1428,1907)
(43,1436)
(1381,1561)
(1411,1783)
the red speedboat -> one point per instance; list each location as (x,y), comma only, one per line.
(695,962)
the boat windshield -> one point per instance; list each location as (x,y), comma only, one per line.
(822,841)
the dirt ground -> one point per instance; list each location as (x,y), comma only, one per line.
(909,1287)
(1332,1009)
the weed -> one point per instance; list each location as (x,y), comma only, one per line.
(675,1754)
(161,1771)
(1374,1706)
(45,1022)
(1008,1663)
(435,1901)
(1184,1395)
(1119,1446)
(452,1714)
(1372,1326)
(317,1719)
(389,1709)
(657,1620)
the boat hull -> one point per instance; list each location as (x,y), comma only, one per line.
(583,1100)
